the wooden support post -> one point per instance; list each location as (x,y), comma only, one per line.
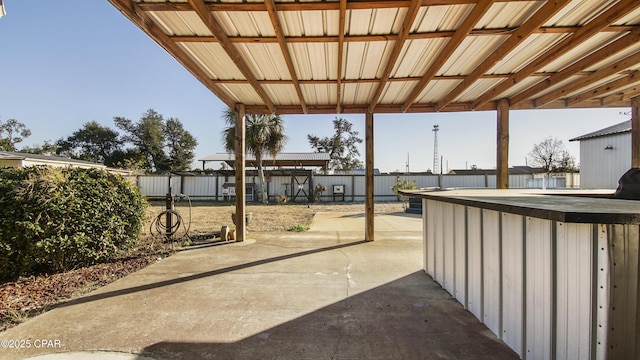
(502,154)
(635,132)
(369,207)
(240,173)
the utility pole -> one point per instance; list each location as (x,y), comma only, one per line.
(407,167)
(436,128)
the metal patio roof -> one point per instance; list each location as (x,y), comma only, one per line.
(280,160)
(392,56)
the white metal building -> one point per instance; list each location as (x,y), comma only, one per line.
(18,159)
(605,155)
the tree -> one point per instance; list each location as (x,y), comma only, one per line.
(11,133)
(46,148)
(341,146)
(264,135)
(163,145)
(93,142)
(551,155)
(180,144)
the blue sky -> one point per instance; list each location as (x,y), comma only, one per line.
(65,63)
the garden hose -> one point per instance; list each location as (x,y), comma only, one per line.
(179,229)
(159,228)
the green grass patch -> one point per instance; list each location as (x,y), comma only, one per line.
(299,228)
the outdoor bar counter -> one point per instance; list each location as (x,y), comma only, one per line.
(554,274)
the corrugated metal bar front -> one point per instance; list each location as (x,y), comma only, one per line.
(460,253)
(538,288)
(624,309)
(439,240)
(513,281)
(492,271)
(573,290)
(475,262)
(448,223)
(548,289)
(431,209)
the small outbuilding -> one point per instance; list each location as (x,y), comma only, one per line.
(605,155)
(18,159)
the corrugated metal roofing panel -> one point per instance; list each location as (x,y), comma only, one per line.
(282,94)
(594,43)
(241,23)
(591,86)
(629,19)
(358,93)
(615,58)
(386,21)
(245,93)
(579,12)
(441,18)
(460,63)
(522,55)
(359,22)
(560,84)
(508,14)
(311,23)
(521,86)
(395,92)
(266,60)
(180,23)
(478,88)
(366,60)
(432,93)
(417,56)
(314,61)
(319,94)
(213,59)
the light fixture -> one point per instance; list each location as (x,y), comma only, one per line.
(2,11)
(608,147)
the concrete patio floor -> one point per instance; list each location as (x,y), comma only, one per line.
(322,294)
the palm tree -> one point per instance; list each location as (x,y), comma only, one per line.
(264,135)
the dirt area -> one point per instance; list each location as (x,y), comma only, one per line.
(28,297)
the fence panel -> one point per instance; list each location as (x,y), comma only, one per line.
(210,187)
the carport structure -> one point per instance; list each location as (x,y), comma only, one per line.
(397,56)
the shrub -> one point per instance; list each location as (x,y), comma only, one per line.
(55,219)
(403,185)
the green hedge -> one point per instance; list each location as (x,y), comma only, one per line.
(55,219)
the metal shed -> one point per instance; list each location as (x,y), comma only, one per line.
(605,155)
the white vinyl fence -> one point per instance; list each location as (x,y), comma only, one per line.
(300,189)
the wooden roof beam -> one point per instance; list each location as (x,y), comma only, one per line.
(622,96)
(397,48)
(132,11)
(610,70)
(391,37)
(579,36)
(517,37)
(373,80)
(622,43)
(465,28)
(207,18)
(308,6)
(275,21)
(624,82)
(341,26)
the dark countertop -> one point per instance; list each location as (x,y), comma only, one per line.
(573,206)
